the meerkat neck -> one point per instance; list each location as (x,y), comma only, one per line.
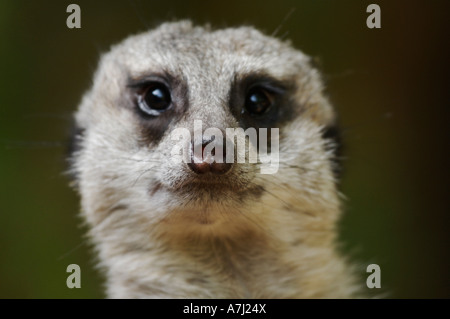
(244,263)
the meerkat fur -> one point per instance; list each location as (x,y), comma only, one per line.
(161,233)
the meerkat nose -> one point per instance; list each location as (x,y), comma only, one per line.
(204,162)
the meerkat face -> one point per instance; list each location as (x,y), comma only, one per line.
(180,78)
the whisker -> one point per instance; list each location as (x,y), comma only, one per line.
(286,17)
(140,175)
(141,160)
(33,144)
(83,242)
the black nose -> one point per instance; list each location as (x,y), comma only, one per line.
(203,162)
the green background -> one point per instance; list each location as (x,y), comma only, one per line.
(390,87)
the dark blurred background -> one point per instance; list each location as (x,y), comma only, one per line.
(390,86)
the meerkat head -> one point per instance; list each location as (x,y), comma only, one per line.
(161,99)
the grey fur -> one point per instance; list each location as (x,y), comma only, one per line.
(246,236)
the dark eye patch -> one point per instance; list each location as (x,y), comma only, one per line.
(260,101)
(272,106)
(157,100)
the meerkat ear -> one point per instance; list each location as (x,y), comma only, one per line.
(74,145)
(331,133)
(333,138)
(73,148)
(76,136)
(326,116)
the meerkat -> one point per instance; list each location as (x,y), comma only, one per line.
(209,228)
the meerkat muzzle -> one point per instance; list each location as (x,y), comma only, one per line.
(204,161)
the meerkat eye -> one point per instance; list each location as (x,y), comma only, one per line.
(154,99)
(258,101)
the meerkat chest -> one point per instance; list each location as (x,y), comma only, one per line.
(236,272)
